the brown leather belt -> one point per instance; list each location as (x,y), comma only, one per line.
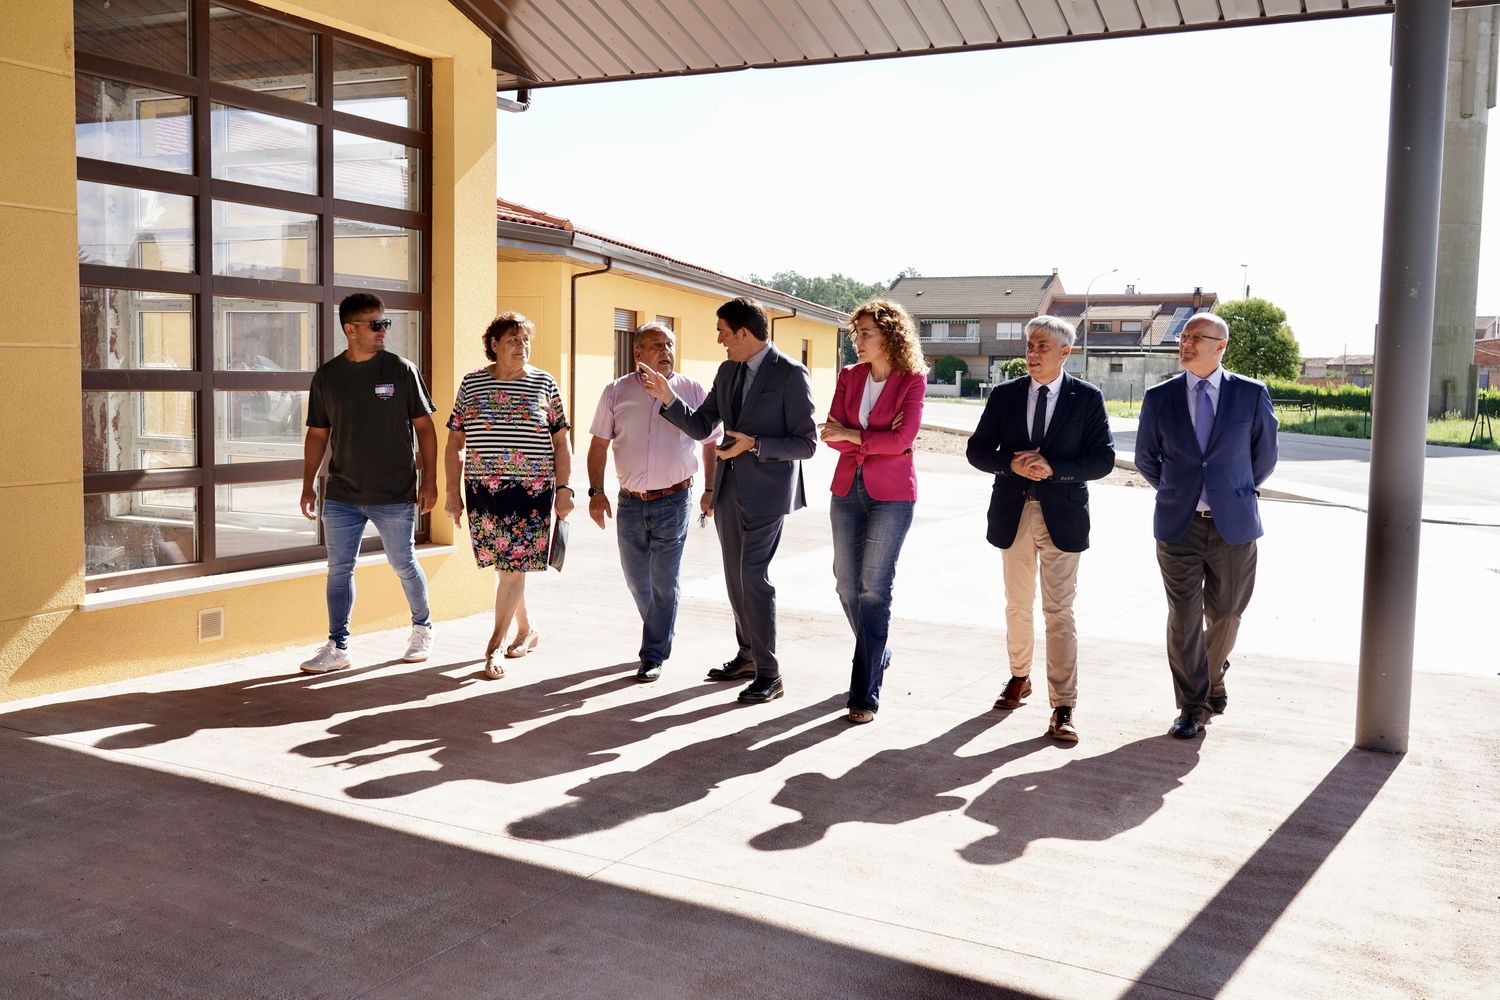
(657,494)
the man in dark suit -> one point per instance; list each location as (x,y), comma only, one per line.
(1206,441)
(1043,437)
(765,401)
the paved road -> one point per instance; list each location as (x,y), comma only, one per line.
(1460,485)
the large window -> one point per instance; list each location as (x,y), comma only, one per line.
(239,172)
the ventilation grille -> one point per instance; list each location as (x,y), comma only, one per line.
(210,624)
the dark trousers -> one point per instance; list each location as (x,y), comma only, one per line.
(748,541)
(1208,583)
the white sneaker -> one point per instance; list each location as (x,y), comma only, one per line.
(327,659)
(419,645)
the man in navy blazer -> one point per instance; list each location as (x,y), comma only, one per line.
(765,401)
(1043,437)
(1206,441)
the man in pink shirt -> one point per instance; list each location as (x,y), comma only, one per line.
(655,463)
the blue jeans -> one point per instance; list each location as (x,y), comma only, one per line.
(343,524)
(651,534)
(867,538)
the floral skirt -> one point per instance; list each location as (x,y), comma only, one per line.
(509,527)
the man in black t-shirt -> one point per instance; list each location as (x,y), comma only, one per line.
(365,408)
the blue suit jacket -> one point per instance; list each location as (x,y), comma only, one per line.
(778,412)
(1078,446)
(1241,455)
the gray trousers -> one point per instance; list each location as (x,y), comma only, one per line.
(1208,583)
(747,542)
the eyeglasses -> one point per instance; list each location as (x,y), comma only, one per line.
(1193,338)
(378,325)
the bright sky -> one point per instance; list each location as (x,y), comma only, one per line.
(1175,158)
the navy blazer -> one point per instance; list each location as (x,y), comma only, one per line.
(1241,455)
(1078,446)
(778,413)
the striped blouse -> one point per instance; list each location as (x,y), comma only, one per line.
(507,426)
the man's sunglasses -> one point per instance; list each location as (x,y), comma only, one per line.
(378,325)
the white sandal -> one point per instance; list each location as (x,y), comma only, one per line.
(523,645)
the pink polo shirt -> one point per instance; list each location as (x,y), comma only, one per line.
(650,454)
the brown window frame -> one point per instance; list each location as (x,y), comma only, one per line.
(204,285)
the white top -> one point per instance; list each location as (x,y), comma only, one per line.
(868,400)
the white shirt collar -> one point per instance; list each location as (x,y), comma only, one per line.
(1052,386)
(1214,380)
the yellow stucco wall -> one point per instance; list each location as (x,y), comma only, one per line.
(46,641)
(541,290)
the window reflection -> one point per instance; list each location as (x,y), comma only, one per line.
(145,32)
(251,241)
(376,85)
(261,55)
(126,329)
(376,172)
(127,227)
(260,517)
(258,426)
(369,255)
(138,430)
(255,148)
(140,530)
(124,123)
(262,335)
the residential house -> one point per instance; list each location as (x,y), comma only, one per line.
(979,319)
(1127,341)
(1341,369)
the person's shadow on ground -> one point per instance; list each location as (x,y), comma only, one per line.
(456,736)
(892,787)
(680,777)
(254,702)
(1090,798)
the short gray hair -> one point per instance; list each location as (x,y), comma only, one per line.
(652,327)
(1217,322)
(1062,331)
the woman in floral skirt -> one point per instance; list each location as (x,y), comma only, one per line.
(508,422)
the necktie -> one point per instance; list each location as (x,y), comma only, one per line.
(737,389)
(1204,422)
(1039,418)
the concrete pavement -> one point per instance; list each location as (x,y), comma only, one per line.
(398,830)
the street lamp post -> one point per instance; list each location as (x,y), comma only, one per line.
(1090,288)
(1245,279)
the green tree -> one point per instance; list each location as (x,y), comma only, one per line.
(944,368)
(1261,344)
(1012,368)
(837,291)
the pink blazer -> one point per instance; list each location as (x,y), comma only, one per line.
(883,454)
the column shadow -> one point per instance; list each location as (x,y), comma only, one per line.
(1212,947)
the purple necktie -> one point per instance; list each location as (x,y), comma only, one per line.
(1204,424)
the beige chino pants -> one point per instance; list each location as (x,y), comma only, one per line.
(1032,557)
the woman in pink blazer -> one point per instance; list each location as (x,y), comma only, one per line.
(875,416)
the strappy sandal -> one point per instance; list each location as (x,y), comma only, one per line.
(860,716)
(494,671)
(522,645)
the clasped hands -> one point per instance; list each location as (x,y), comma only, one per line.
(1031,465)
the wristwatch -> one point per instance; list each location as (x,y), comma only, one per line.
(595,491)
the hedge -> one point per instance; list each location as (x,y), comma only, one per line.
(1355,399)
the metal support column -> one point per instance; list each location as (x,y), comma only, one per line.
(1403,357)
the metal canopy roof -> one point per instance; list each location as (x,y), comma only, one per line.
(539,43)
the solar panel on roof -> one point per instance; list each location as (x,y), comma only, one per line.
(1179,320)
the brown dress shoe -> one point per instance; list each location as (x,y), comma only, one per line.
(1061,726)
(1015,689)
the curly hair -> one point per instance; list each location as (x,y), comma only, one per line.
(500,326)
(897,331)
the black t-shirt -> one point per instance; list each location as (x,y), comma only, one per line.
(370,406)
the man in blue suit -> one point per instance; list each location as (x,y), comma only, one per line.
(764,400)
(1206,441)
(1043,437)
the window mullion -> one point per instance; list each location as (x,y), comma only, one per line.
(203,166)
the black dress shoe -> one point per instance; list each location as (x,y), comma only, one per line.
(736,669)
(762,690)
(1186,725)
(650,671)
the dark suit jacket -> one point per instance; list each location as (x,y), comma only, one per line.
(1241,455)
(778,413)
(1078,445)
